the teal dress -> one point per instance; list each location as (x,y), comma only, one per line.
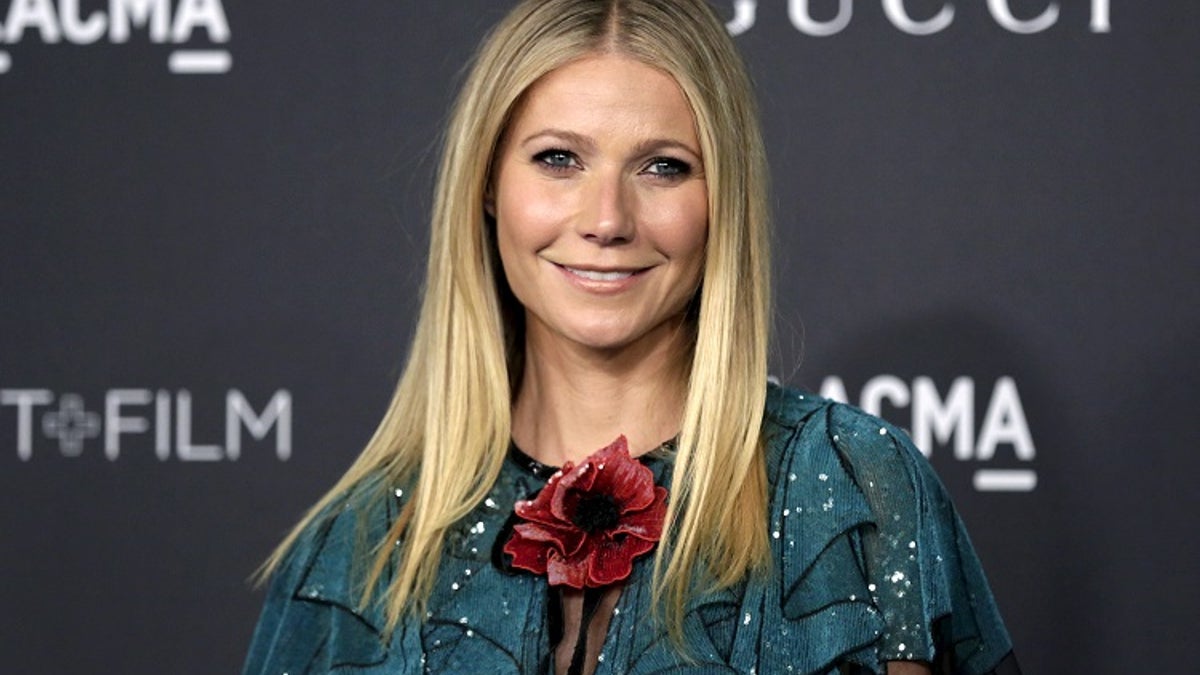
(870,564)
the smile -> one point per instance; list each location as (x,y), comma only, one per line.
(598,275)
(603,281)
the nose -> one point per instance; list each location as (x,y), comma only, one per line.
(608,216)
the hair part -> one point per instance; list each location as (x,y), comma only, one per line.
(452,407)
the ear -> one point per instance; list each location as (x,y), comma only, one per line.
(489,200)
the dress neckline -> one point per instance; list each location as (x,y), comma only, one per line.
(529,464)
(542,471)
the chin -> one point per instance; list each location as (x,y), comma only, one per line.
(605,330)
(616,335)
(603,340)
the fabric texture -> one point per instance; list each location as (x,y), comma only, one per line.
(870,564)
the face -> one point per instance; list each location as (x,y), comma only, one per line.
(601,204)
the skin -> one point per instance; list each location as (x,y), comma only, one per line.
(907,668)
(600,171)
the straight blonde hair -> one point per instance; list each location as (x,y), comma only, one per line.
(452,407)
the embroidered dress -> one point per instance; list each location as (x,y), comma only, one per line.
(871,564)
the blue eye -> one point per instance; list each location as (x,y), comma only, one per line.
(668,167)
(555,159)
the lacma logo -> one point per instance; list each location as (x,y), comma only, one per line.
(801,14)
(161,21)
(948,422)
(163,415)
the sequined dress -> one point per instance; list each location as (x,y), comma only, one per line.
(871,564)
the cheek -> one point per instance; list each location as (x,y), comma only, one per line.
(684,230)
(526,218)
(523,230)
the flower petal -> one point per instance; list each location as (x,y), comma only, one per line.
(626,480)
(527,554)
(537,511)
(541,507)
(612,561)
(567,540)
(646,523)
(560,572)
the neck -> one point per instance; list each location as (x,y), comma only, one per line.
(573,400)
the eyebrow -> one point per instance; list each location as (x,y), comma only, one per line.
(563,135)
(644,147)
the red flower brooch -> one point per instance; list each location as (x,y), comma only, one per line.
(590,520)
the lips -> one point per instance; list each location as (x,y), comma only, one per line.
(603,280)
(599,275)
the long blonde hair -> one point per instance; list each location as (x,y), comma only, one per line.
(452,406)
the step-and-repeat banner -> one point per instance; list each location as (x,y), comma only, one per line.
(212,225)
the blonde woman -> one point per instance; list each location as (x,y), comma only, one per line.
(583,469)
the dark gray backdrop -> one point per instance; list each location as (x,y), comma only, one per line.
(243,248)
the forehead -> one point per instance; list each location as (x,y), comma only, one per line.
(607,93)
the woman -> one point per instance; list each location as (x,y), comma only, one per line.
(598,271)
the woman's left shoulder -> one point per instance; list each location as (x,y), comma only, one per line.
(818,438)
(797,422)
(858,515)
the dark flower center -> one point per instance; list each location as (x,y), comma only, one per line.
(596,512)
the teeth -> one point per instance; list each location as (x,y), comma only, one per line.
(600,276)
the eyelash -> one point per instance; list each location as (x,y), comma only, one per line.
(669,168)
(544,158)
(674,168)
